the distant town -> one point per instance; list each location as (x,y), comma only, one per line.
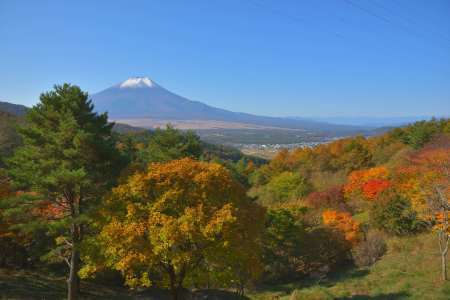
(270,150)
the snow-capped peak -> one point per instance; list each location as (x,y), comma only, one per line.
(137,82)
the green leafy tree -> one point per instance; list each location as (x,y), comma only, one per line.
(286,186)
(422,132)
(394,214)
(283,242)
(355,155)
(170,144)
(294,247)
(69,159)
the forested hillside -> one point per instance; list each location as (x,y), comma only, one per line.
(163,213)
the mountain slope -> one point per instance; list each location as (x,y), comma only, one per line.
(15,109)
(142,98)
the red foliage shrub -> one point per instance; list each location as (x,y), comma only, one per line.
(372,188)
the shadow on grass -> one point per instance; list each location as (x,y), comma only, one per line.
(25,291)
(388,296)
(347,274)
(287,288)
(210,294)
(24,285)
(20,286)
(216,295)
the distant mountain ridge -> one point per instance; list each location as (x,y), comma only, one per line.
(142,98)
(14,109)
(374,122)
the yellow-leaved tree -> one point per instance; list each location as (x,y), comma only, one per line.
(183,222)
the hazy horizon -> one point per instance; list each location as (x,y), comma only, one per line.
(359,120)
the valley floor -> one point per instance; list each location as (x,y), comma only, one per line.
(410,270)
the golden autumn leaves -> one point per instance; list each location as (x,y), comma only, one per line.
(181,219)
(342,221)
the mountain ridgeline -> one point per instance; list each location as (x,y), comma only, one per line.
(13,109)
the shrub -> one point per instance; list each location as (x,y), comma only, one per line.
(371,249)
(372,188)
(332,198)
(367,183)
(342,222)
(394,214)
(324,251)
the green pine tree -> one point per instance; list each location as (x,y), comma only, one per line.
(68,158)
(170,144)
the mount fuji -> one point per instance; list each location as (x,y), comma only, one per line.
(140,101)
(141,97)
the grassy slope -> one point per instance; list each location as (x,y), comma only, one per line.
(410,270)
(26,285)
(33,285)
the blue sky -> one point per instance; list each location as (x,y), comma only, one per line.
(270,57)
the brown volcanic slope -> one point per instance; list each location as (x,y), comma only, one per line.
(192,124)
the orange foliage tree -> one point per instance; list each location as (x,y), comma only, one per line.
(368,183)
(343,222)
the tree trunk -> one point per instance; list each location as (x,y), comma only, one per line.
(73,282)
(444,251)
(176,287)
(444,236)
(173,286)
(176,292)
(444,266)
